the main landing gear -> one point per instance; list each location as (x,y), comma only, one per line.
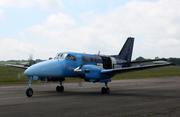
(105,90)
(60,88)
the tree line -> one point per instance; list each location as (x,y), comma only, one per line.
(173,60)
(37,60)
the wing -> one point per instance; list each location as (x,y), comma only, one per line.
(136,68)
(17,66)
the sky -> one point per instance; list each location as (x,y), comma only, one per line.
(46,27)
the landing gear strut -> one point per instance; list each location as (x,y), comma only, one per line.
(60,88)
(105,90)
(29,91)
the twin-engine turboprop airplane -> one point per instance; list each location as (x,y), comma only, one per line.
(91,68)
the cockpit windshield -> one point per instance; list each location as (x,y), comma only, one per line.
(61,56)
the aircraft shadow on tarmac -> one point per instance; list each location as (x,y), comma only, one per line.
(148,93)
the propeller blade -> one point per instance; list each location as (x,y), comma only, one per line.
(20,75)
(79,83)
(78,70)
(30,59)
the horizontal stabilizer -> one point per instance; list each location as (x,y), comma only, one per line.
(144,61)
(132,69)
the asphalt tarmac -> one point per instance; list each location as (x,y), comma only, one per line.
(152,97)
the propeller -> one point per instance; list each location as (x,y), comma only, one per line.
(21,74)
(79,83)
(78,71)
(30,59)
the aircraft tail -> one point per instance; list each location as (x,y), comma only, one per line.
(126,51)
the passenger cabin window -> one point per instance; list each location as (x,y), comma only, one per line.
(83,59)
(88,58)
(96,59)
(99,60)
(92,59)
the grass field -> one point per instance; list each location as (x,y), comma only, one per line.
(8,75)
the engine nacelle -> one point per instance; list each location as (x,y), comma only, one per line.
(92,73)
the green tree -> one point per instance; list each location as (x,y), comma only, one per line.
(140,58)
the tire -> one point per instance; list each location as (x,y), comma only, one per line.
(58,88)
(61,89)
(103,90)
(29,92)
(107,90)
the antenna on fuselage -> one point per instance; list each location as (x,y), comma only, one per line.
(99,52)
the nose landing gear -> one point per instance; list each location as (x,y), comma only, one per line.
(29,91)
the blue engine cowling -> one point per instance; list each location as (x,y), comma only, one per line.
(92,73)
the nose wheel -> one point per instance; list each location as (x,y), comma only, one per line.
(29,92)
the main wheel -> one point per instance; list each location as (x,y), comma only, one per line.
(103,90)
(59,88)
(107,90)
(29,92)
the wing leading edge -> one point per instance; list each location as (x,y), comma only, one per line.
(132,69)
(17,66)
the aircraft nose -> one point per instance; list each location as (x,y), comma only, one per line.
(29,72)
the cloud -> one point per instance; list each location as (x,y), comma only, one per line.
(2,17)
(65,34)
(141,18)
(150,48)
(46,4)
(14,48)
(20,49)
(155,25)
(169,43)
(59,21)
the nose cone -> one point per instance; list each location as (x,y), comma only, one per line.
(29,71)
(50,68)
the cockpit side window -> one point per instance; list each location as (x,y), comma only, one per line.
(61,56)
(74,57)
(70,58)
(67,57)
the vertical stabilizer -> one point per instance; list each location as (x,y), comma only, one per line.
(126,51)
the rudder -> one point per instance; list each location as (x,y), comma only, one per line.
(126,51)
